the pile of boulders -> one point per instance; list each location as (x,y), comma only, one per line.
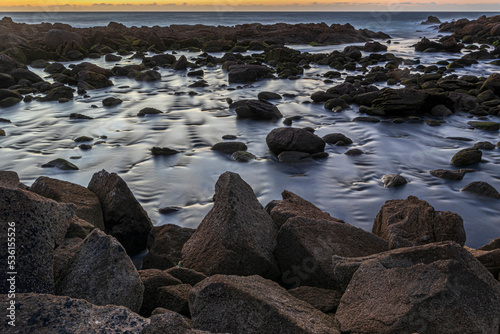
(286,268)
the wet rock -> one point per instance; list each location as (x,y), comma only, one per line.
(294,139)
(366,99)
(186,276)
(431,20)
(56,37)
(264,96)
(294,156)
(489,126)
(247,73)
(152,279)
(124,217)
(197,73)
(325,300)
(62,92)
(165,246)
(467,156)
(243,156)
(441,111)
(337,139)
(436,288)
(410,222)
(354,152)
(305,247)
(148,76)
(6,80)
(293,205)
(9,101)
(174,298)
(333,103)
(79,116)
(492,83)
(482,188)
(149,111)
(44,314)
(366,119)
(455,175)
(229,147)
(61,164)
(20,74)
(93,80)
(236,237)
(181,64)
(87,204)
(484,145)
(393,180)
(111,101)
(102,273)
(40,225)
(252,305)
(165,151)
(169,209)
(258,110)
(405,101)
(112,57)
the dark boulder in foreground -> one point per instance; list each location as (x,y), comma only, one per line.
(87,204)
(236,237)
(124,217)
(102,273)
(39,225)
(233,304)
(412,222)
(152,279)
(482,188)
(248,73)
(294,139)
(305,248)
(435,288)
(325,300)
(45,314)
(165,246)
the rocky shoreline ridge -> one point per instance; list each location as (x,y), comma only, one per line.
(285,268)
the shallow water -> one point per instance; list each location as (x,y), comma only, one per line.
(347,187)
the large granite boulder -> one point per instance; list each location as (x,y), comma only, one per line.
(87,204)
(124,217)
(36,225)
(48,314)
(411,222)
(235,304)
(305,247)
(435,288)
(236,237)
(165,246)
(102,273)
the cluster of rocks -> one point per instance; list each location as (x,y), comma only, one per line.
(285,268)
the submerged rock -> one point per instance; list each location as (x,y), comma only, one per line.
(233,304)
(451,174)
(124,217)
(237,236)
(229,147)
(411,222)
(393,180)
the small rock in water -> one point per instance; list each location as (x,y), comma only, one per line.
(163,151)
(433,122)
(229,137)
(269,96)
(243,156)
(393,180)
(85,147)
(468,156)
(354,152)
(149,111)
(366,119)
(79,116)
(61,164)
(111,101)
(2,133)
(488,126)
(338,139)
(482,188)
(229,147)
(83,139)
(294,156)
(484,145)
(169,209)
(451,174)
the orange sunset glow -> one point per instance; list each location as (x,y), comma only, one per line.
(244,5)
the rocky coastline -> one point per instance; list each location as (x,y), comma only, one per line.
(286,267)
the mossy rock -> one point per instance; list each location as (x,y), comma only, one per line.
(465,157)
(488,126)
(2,133)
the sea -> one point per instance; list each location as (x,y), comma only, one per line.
(349,188)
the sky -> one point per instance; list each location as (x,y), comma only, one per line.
(247,5)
